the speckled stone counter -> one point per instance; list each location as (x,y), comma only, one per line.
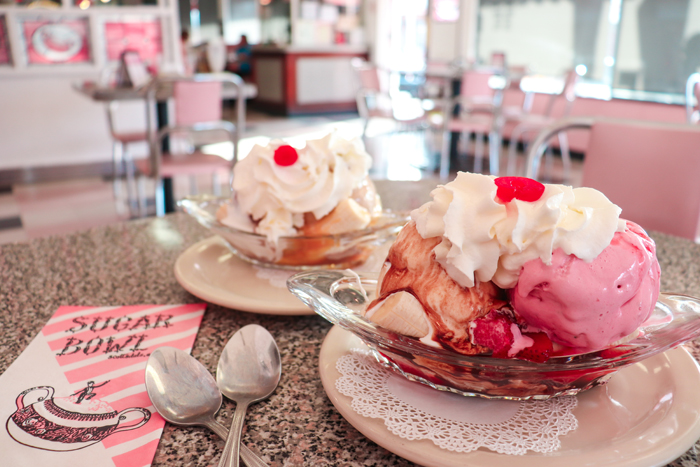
(132,263)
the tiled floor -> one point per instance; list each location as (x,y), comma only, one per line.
(31,210)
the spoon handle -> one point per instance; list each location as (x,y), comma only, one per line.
(249,457)
(230,456)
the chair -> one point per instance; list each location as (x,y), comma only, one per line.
(121,157)
(375,100)
(478,107)
(692,98)
(121,138)
(527,122)
(649,169)
(197,111)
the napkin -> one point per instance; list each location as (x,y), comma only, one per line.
(76,396)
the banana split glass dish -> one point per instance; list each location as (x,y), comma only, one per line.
(341,296)
(292,208)
(338,251)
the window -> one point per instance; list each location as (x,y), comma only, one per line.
(641,49)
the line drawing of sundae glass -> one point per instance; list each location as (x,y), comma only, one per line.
(68,423)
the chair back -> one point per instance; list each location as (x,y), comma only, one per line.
(692,98)
(198,107)
(369,78)
(650,170)
(373,98)
(475,83)
(568,92)
(196,102)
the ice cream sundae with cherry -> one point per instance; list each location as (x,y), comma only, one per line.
(512,268)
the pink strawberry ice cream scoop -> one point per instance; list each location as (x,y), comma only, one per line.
(590,305)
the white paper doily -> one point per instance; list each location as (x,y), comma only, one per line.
(454,422)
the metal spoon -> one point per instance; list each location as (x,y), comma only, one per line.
(185,393)
(249,370)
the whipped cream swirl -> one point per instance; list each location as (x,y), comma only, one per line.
(276,197)
(486,239)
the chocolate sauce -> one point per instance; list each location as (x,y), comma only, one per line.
(449,306)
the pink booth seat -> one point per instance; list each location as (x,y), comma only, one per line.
(590,107)
(650,169)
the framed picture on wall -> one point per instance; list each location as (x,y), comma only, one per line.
(141,35)
(51,41)
(5,53)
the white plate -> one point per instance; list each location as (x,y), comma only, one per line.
(210,271)
(647,415)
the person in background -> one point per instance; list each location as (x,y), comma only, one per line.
(239,57)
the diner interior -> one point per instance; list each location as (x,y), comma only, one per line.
(115,113)
(394,71)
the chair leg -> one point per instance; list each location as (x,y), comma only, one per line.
(478,153)
(445,155)
(132,194)
(117,162)
(512,150)
(141,187)
(160,198)
(494,152)
(565,154)
(548,161)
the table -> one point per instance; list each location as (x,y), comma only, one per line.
(109,94)
(132,263)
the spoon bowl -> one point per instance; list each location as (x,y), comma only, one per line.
(183,392)
(248,371)
(171,376)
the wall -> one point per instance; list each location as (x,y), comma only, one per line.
(45,122)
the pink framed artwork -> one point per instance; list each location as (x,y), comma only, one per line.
(141,36)
(56,41)
(5,54)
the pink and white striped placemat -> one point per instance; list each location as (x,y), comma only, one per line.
(76,396)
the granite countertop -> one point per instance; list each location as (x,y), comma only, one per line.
(132,263)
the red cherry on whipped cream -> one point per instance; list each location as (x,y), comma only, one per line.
(285,155)
(521,188)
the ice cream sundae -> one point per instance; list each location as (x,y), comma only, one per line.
(319,195)
(320,189)
(511,268)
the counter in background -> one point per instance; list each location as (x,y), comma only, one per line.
(296,80)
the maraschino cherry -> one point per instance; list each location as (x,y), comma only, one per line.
(521,188)
(285,155)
